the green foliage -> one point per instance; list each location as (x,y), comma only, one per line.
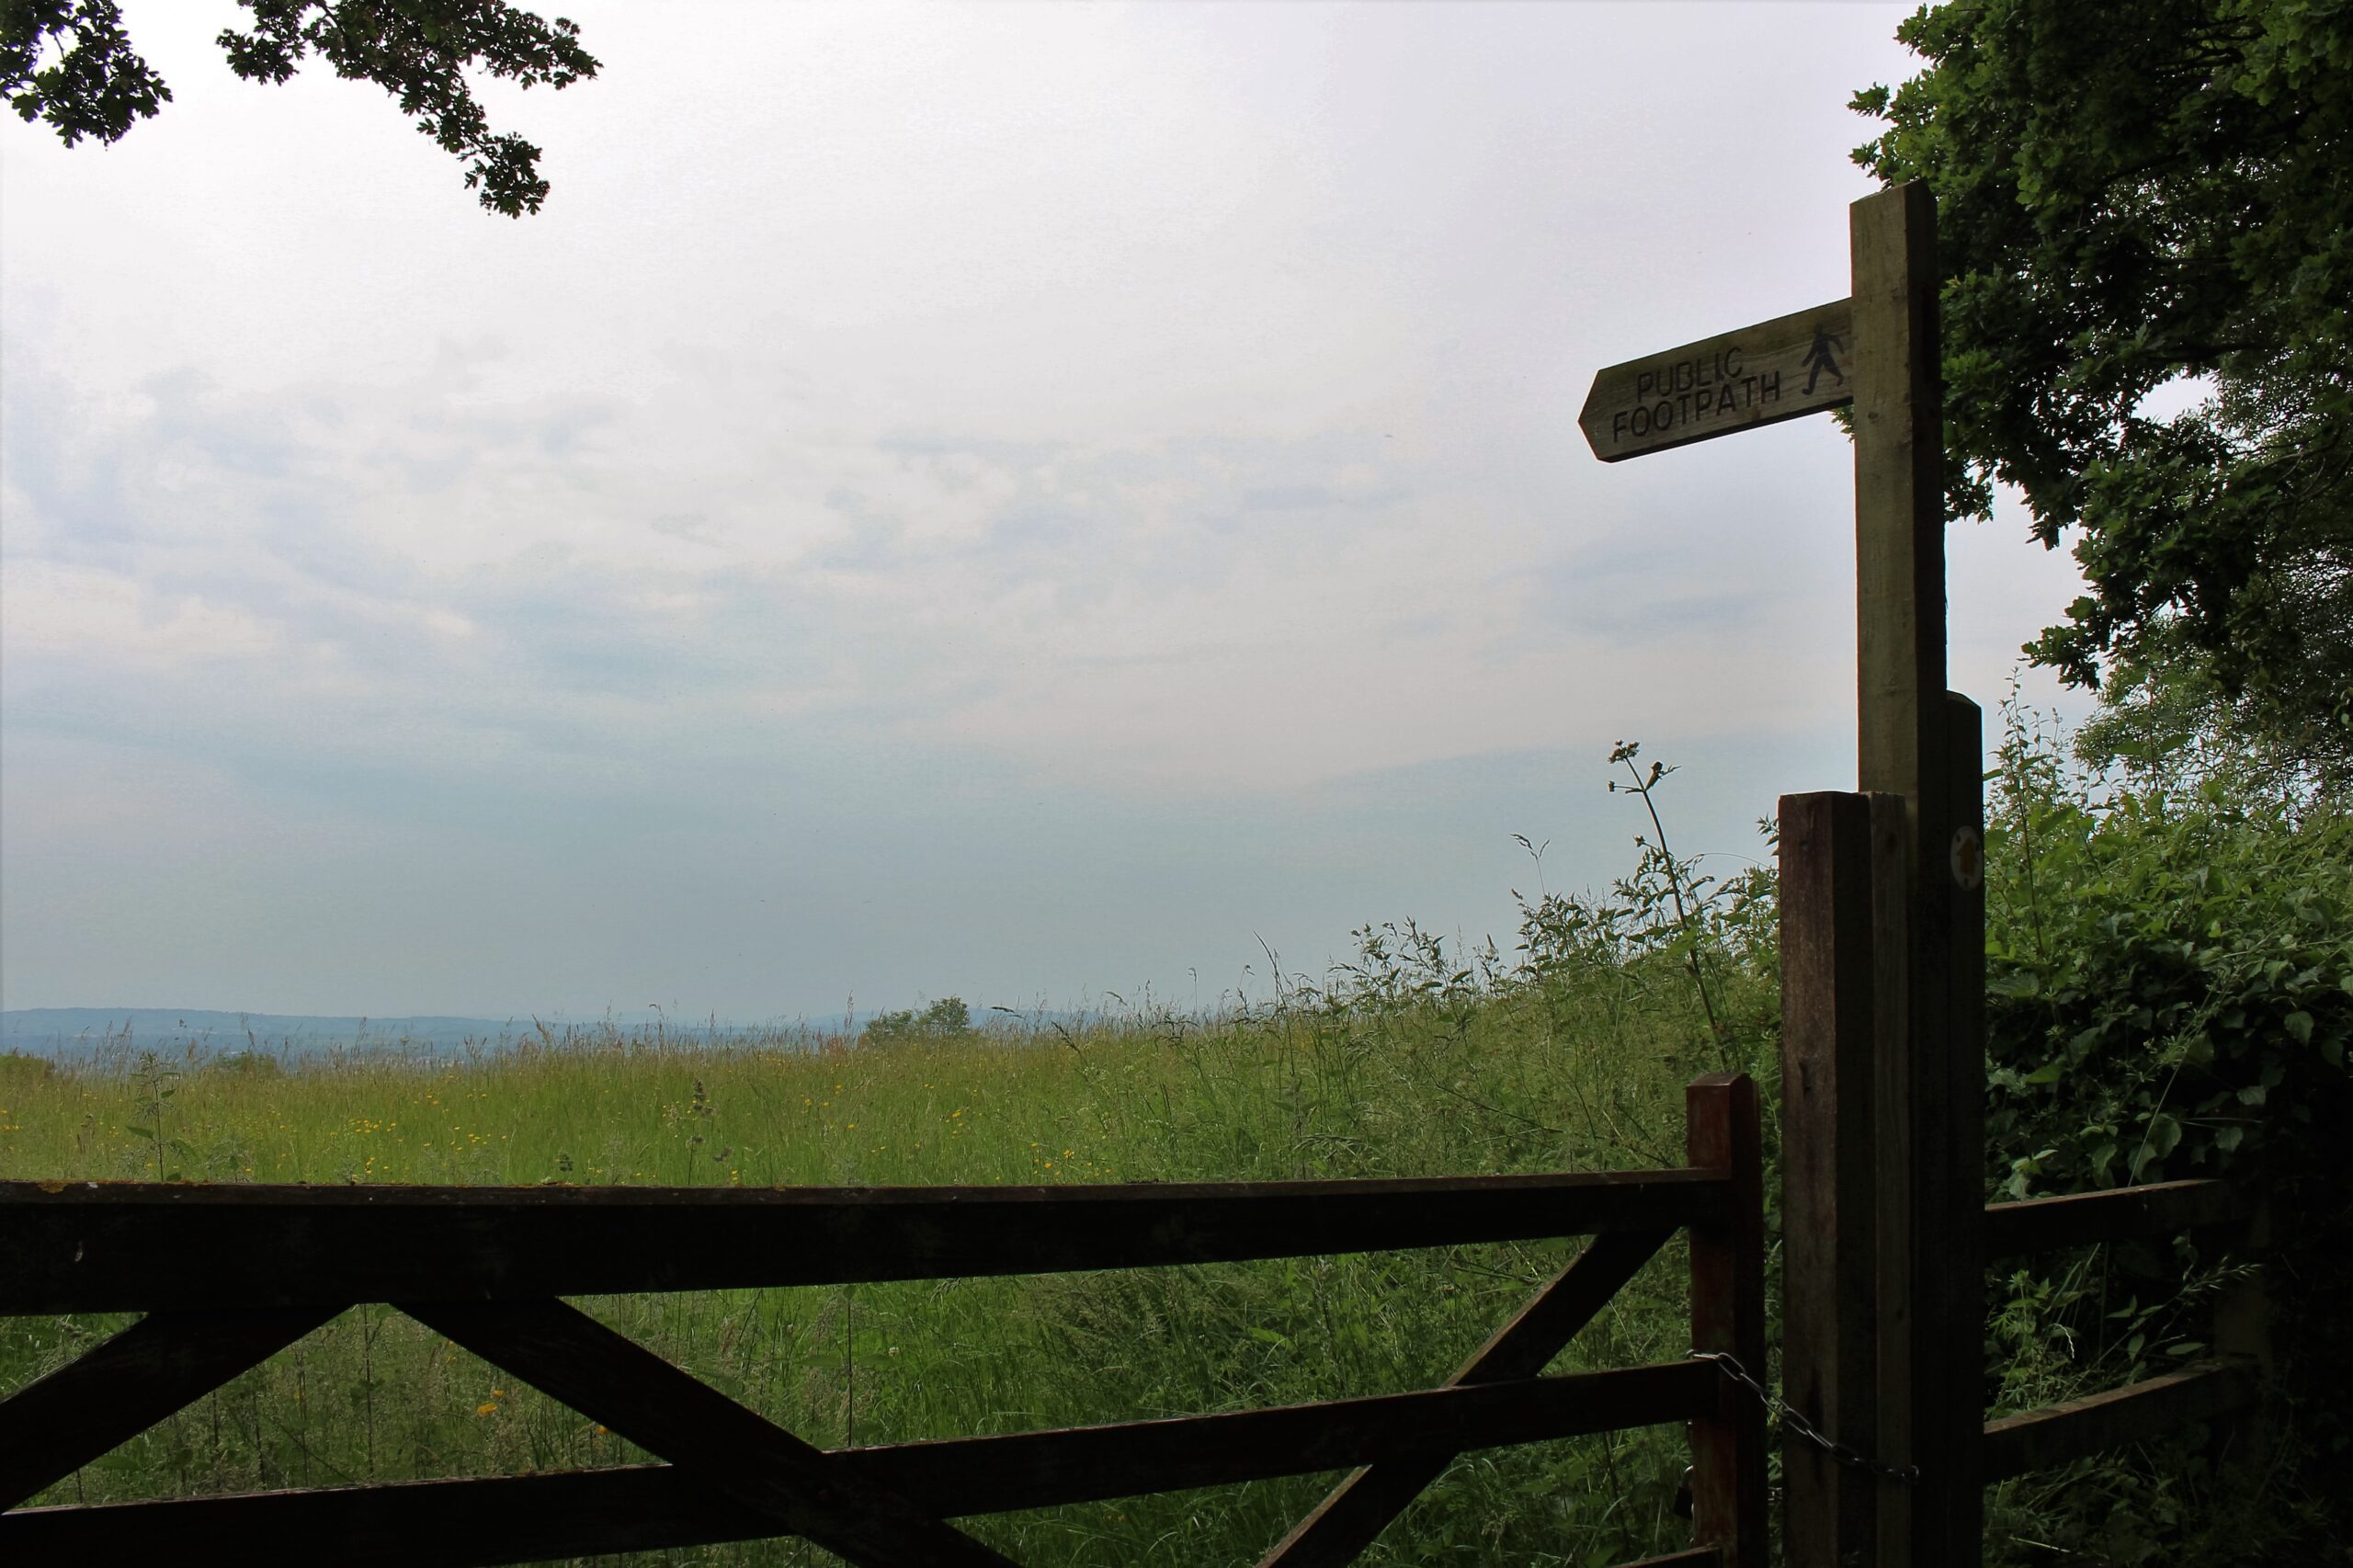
(1722,933)
(256,1062)
(948,1018)
(96,86)
(2165,719)
(17,1067)
(2163,964)
(1411,1058)
(2170,978)
(418,51)
(2171,961)
(2131,195)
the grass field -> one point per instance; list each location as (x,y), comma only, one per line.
(1407,1065)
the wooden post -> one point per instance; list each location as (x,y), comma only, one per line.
(1894,1105)
(1898,492)
(1915,744)
(1728,1500)
(1910,874)
(1950,1261)
(1842,867)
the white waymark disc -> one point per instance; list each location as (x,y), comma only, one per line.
(1968,859)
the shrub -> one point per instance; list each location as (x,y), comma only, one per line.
(2170,995)
(947,1018)
(17,1067)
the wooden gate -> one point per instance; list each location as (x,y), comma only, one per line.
(229,1275)
(2227,1382)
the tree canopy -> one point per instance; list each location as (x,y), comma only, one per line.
(2131,196)
(419,51)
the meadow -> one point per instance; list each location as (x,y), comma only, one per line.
(2170,966)
(1413,1059)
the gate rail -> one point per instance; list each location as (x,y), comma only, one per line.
(229,1275)
(2224,1384)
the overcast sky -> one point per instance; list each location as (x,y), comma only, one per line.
(1023,502)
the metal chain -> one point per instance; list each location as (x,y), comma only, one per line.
(1794,1421)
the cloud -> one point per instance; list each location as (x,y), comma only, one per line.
(932,482)
(417,567)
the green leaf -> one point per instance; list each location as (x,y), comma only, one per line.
(2163,1137)
(2299,1025)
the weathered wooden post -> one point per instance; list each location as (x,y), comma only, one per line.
(1842,1002)
(1728,1503)
(1922,743)
(1883,930)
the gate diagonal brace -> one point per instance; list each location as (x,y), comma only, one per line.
(1361,1507)
(614,1381)
(166,1362)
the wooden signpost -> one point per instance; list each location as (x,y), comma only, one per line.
(1759,375)
(1884,931)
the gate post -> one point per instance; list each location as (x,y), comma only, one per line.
(1949,1196)
(1728,1498)
(1842,1148)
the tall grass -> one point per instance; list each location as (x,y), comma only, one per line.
(1413,1059)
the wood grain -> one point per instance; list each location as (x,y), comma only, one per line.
(567,1354)
(1948,1277)
(2079,1428)
(2123,1213)
(55,1424)
(521,1519)
(1353,1515)
(1778,369)
(1728,1444)
(1841,876)
(1904,747)
(142,1246)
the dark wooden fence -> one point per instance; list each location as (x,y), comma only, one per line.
(2223,1385)
(229,1275)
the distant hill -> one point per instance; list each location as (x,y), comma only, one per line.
(80,1031)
